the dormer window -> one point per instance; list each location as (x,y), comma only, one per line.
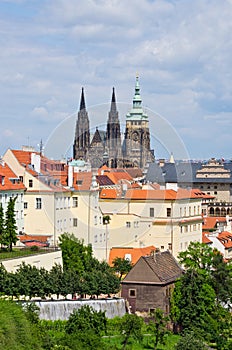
(2,180)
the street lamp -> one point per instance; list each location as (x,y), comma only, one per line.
(106,221)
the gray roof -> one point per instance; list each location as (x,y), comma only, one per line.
(159,268)
(182,172)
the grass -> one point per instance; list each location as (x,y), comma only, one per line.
(114,343)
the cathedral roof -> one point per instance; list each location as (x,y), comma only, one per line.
(137,113)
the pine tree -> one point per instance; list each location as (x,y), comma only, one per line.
(1,223)
(10,234)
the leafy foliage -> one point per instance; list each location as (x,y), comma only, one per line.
(131,328)
(200,293)
(122,266)
(158,326)
(9,236)
(190,342)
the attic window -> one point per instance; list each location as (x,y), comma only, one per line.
(128,257)
(183,173)
(132,293)
(2,180)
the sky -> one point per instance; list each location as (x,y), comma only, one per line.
(180,49)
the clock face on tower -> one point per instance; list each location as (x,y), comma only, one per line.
(135,136)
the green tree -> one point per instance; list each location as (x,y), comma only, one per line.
(86,318)
(56,280)
(131,328)
(10,233)
(201,258)
(2,224)
(193,302)
(84,328)
(158,326)
(121,266)
(189,341)
(75,254)
(3,278)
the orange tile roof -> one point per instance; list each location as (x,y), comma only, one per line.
(211,221)
(205,239)
(150,194)
(135,253)
(24,157)
(82,181)
(193,193)
(110,193)
(225,238)
(8,174)
(39,238)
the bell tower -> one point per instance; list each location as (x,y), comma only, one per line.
(136,150)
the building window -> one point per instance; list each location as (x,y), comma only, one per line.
(180,212)
(152,212)
(169,246)
(194,210)
(184,211)
(215,187)
(194,227)
(25,205)
(30,183)
(128,224)
(136,224)
(75,221)
(190,211)
(169,212)
(21,178)
(215,192)
(95,238)
(38,203)
(181,229)
(75,202)
(95,220)
(186,228)
(132,293)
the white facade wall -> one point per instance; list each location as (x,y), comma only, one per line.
(141,223)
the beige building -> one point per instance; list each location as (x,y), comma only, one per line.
(167,219)
(52,207)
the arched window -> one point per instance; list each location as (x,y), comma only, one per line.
(211,211)
(217,212)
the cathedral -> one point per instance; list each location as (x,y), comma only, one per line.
(108,147)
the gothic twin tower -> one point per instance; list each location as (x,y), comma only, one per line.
(107,147)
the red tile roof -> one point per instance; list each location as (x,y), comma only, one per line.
(135,253)
(82,181)
(205,239)
(150,194)
(225,238)
(211,222)
(9,184)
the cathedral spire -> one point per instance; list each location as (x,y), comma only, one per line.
(82,102)
(113,102)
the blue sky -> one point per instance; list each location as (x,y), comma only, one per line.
(181,49)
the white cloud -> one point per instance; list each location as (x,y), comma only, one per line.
(181,49)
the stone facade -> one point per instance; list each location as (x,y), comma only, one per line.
(107,147)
